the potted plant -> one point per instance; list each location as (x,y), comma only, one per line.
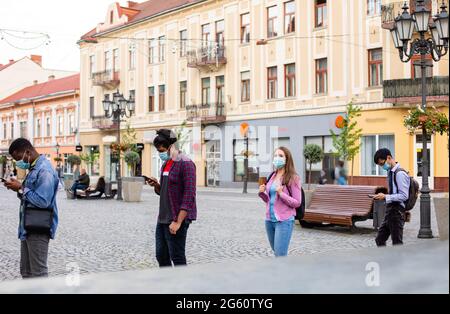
(3,160)
(131,185)
(313,154)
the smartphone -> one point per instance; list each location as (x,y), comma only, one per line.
(371,196)
(147,179)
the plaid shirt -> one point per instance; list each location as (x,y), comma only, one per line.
(182,187)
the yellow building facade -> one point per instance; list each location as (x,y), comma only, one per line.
(288,68)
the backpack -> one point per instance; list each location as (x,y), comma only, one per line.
(413,193)
(300,211)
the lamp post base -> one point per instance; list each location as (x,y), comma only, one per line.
(425,234)
(119,190)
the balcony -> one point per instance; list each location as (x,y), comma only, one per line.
(207,113)
(108,79)
(103,123)
(210,58)
(408,91)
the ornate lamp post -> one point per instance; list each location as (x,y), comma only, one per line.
(117,109)
(436,45)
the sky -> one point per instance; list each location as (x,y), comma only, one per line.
(63,20)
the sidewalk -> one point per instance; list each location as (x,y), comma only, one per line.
(419,268)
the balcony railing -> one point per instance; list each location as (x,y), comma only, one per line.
(103,123)
(409,90)
(207,58)
(108,78)
(207,113)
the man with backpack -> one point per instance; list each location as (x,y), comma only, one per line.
(403,191)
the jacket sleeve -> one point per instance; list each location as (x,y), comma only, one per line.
(190,186)
(295,200)
(264,196)
(42,196)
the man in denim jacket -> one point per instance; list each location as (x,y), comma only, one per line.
(39,189)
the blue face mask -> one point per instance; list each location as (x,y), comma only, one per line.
(22,164)
(279,162)
(164,156)
(386,166)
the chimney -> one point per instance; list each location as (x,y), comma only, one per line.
(11,61)
(51,77)
(37,59)
(35,82)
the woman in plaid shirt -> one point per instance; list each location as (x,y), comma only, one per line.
(177,206)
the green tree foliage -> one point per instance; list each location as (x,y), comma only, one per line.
(313,154)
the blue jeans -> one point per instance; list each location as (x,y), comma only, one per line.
(78,186)
(279,234)
(171,248)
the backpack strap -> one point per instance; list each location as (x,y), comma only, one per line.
(395,175)
(270,176)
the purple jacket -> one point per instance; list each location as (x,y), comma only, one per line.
(182,187)
(285,205)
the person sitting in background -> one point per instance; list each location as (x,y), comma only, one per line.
(99,189)
(82,183)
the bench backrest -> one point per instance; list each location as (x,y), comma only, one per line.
(343,198)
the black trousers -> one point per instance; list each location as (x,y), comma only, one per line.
(392,226)
(171,248)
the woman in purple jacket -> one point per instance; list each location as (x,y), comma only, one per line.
(282,195)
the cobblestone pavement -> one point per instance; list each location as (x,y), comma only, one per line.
(108,236)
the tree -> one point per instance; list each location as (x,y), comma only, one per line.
(90,159)
(182,135)
(313,154)
(347,143)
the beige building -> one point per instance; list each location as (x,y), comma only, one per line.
(288,68)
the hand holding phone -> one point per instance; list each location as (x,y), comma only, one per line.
(371,195)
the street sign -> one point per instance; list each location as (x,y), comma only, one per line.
(79,148)
(244,128)
(140,146)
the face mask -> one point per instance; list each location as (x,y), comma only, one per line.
(164,156)
(22,164)
(386,166)
(279,162)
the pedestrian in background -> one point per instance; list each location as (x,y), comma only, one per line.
(38,219)
(340,173)
(282,195)
(177,206)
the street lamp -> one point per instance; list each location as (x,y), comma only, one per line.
(116,109)
(436,44)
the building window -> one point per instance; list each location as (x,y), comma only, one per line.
(60,125)
(373,7)
(5,131)
(220,33)
(206,91)
(183,94)
(289,17)
(91,107)
(108,64)
(245,86)
(375,67)
(12,130)
(162,97)
(369,145)
(183,42)
(289,74)
(220,90)
(111,17)
(321,13)
(416,69)
(272,16)
(152,51)
(23,129)
(38,128)
(206,35)
(48,127)
(93,169)
(71,124)
(272,81)
(239,148)
(91,65)
(245,28)
(321,76)
(162,48)
(67,166)
(329,162)
(116,65)
(151,99)
(132,58)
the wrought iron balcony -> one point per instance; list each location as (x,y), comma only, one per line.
(103,123)
(408,91)
(108,78)
(206,113)
(210,58)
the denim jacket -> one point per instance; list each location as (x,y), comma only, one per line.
(39,189)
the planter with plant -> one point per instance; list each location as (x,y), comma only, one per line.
(313,154)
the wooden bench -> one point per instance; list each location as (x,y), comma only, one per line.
(340,205)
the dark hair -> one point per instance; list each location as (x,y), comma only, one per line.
(164,138)
(290,175)
(20,145)
(101,183)
(341,163)
(381,154)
